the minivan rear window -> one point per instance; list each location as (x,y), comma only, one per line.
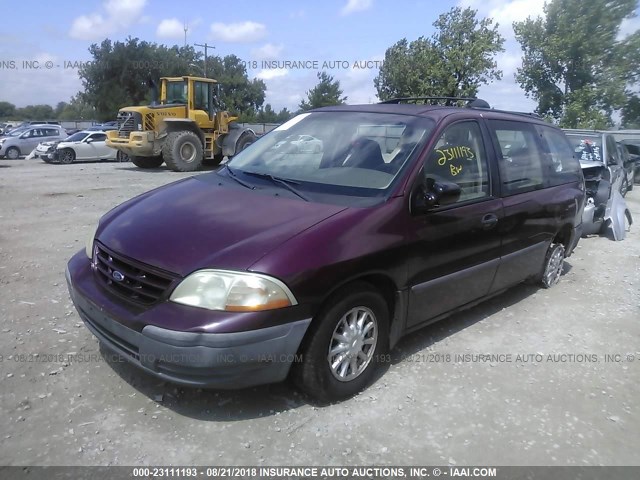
(519,156)
(563,165)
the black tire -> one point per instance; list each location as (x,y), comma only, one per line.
(244,141)
(146,162)
(313,375)
(67,156)
(182,151)
(122,157)
(13,153)
(213,162)
(553,265)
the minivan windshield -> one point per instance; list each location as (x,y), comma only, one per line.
(342,152)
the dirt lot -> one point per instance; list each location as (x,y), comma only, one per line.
(560,402)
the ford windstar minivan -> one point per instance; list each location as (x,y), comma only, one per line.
(310,263)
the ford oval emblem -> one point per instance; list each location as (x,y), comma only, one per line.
(117,276)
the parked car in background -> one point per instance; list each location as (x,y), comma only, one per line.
(44,122)
(23,141)
(300,143)
(606,182)
(314,264)
(45,151)
(633,148)
(86,145)
(101,128)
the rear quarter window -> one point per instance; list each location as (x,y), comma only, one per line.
(560,160)
(520,159)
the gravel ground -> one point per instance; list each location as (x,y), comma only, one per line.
(553,398)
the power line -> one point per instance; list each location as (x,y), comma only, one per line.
(206,46)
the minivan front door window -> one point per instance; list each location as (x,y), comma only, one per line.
(459,157)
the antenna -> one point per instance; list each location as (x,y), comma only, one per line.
(186,28)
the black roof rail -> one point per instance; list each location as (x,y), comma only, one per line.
(448,101)
(471,102)
(524,114)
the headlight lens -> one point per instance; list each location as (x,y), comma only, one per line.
(232,291)
(88,248)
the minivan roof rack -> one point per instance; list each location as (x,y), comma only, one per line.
(448,101)
(471,102)
(515,112)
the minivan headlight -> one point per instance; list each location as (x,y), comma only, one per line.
(88,247)
(232,291)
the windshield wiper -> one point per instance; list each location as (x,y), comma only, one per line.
(286,183)
(235,177)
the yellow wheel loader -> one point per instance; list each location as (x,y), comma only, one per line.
(183,129)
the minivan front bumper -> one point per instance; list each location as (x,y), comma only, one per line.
(217,360)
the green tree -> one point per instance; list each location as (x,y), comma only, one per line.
(238,94)
(267,115)
(119,72)
(59,109)
(36,112)
(78,109)
(326,92)
(573,65)
(7,110)
(284,115)
(631,113)
(453,62)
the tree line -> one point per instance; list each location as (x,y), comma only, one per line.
(578,67)
(576,64)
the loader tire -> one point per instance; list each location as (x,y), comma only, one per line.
(182,151)
(146,162)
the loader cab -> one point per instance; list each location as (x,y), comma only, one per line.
(195,93)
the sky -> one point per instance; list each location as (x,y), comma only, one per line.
(346,34)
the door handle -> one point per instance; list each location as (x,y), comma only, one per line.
(489,221)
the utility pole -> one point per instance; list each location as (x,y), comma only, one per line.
(206,46)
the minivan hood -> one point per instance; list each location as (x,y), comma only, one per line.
(202,222)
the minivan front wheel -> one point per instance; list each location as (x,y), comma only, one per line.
(344,346)
(553,265)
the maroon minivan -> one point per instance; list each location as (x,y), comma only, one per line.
(311,259)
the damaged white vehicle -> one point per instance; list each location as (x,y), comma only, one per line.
(604,177)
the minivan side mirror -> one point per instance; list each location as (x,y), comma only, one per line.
(435,193)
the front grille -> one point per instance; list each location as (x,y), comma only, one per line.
(127,123)
(148,122)
(132,280)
